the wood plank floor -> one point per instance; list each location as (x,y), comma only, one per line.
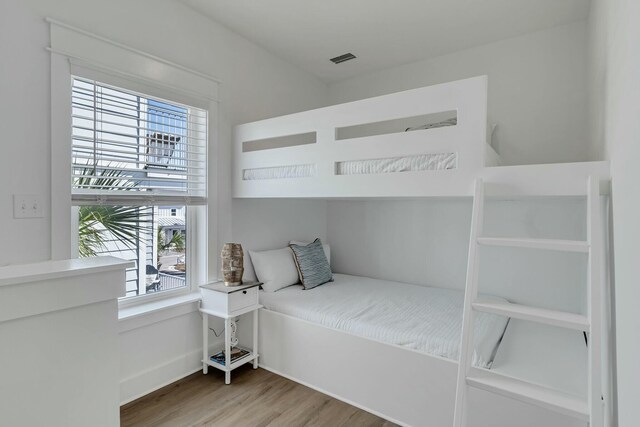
(254,398)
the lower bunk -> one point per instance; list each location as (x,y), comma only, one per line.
(391,349)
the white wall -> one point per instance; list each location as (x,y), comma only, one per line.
(255,85)
(426,242)
(615,111)
(596,75)
(537,91)
(24,123)
(263,224)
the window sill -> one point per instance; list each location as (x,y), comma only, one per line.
(147,313)
(141,308)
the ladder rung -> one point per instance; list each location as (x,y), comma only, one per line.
(546,244)
(540,315)
(529,393)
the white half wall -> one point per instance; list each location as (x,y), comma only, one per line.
(615,117)
(537,91)
(255,85)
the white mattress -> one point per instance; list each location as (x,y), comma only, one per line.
(279,172)
(421,318)
(419,162)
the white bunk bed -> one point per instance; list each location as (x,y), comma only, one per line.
(364,149)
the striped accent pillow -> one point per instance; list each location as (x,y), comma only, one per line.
(312,264)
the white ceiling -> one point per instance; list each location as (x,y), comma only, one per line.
(381,33)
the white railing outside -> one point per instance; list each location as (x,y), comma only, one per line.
(170,281)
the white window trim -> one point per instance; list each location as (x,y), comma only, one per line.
(78,52)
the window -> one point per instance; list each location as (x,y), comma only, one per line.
(138,176)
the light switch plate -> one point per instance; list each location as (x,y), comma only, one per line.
(27,206)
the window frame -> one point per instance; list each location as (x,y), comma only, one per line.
(195,215)
(76,52)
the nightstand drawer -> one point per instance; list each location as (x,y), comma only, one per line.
(225,300)
(242,299)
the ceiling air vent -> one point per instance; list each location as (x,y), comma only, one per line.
(342,58)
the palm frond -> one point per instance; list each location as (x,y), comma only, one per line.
(90,237)
(101,223)
(97,224)
(176,243)
(104,177)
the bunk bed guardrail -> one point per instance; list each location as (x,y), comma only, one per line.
(369,148)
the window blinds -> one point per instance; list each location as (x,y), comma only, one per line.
(132,149)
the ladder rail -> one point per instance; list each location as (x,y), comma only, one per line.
(470,295)
(593,408)
(594,303)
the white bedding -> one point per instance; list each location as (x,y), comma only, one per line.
(422,318)
(279,172)
(419,162)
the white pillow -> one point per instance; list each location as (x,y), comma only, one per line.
(276,269)
(325,248)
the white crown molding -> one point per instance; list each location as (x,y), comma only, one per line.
(91,51)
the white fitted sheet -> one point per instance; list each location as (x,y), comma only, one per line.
(279,172)
(422,318)
(419,162)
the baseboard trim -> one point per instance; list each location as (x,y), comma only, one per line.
(154,378)
(159,386)
(335,396)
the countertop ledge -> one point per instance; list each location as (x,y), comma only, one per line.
(49,270)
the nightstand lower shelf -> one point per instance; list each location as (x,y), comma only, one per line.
(246,359)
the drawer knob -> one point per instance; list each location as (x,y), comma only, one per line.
(244,292)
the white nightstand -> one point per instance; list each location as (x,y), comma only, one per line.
(228,302)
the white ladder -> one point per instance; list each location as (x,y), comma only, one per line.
(590,410)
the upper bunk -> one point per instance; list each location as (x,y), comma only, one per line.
(427,142)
